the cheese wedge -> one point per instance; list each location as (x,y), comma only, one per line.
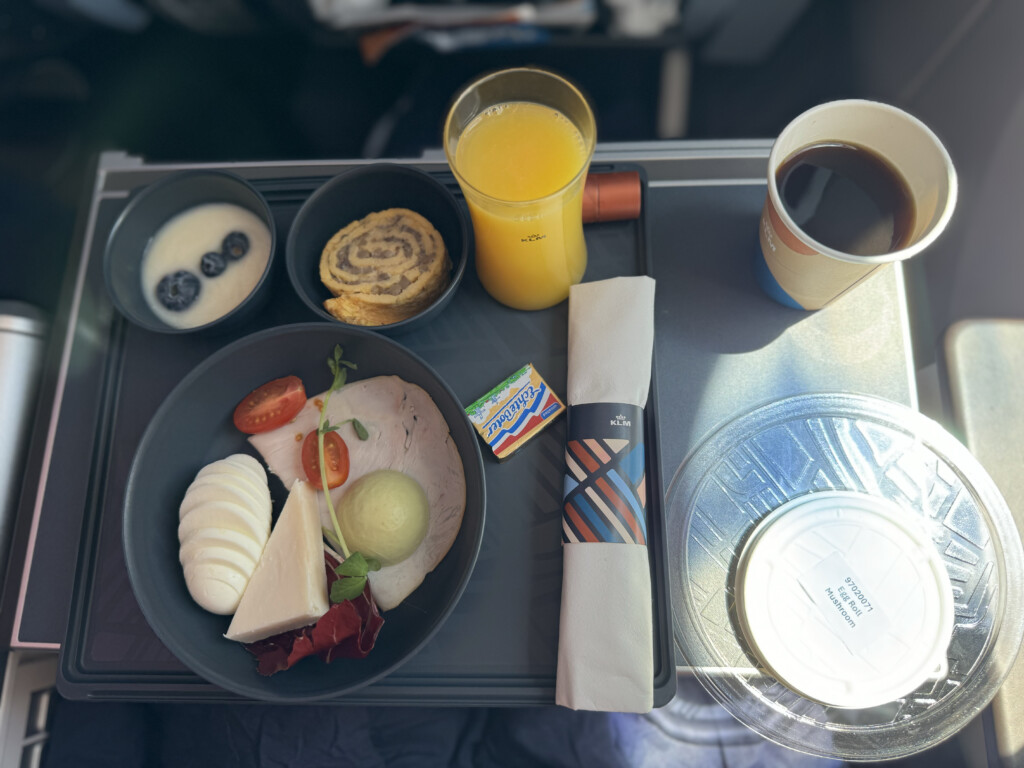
(288,589)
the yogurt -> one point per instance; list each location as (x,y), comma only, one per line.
(180,244)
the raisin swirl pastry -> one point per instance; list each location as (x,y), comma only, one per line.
(384,268)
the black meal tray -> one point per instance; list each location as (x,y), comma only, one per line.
(499,646)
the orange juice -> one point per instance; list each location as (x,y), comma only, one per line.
(523,164)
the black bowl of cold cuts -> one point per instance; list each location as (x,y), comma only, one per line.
(194,427)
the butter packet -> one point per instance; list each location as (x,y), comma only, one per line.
(513,412)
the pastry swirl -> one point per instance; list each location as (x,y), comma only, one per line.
(384,268)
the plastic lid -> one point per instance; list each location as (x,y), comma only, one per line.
(792,498)
(843,597)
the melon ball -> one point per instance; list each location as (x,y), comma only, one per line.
(384,514)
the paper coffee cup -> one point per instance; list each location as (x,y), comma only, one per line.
(800,272)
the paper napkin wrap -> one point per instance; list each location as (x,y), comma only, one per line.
(605,644)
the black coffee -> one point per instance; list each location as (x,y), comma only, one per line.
(848,198)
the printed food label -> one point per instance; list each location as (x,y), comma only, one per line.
(515,411)
(851,609)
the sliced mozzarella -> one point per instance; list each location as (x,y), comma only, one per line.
(239,464)
(222,514)
(223,526)
(288,589)
(223,537)
(240,470)
(211,565)
(201,549)
(224,488)
(243,463)
(246,471)
(215,585)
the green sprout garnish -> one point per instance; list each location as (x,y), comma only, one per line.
(355,568)
(340,369)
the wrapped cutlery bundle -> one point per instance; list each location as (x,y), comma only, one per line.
(605,635)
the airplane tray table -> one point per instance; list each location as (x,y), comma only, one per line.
(501,642)
(721,348)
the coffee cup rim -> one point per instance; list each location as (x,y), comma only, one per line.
(901,254)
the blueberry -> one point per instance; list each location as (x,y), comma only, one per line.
(178,291)
(213,263)
(236,245)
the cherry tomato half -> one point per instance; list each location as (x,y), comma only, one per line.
(335,459)
(270,406)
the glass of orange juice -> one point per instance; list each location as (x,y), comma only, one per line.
(519,142)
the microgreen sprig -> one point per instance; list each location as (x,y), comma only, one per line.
(355,568)
(340,368)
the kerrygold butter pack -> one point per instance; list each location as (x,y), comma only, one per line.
(513,412)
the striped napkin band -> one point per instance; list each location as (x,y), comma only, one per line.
(604,490)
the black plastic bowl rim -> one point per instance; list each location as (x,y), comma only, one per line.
(149,191)
(460,259)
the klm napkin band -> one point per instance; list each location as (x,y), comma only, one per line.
(604,496)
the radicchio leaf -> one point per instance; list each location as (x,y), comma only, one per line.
(348,630)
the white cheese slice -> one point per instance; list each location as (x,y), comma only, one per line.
(288,589)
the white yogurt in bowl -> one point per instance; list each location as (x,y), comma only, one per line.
(180,245)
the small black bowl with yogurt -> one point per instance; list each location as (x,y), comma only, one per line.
(190,252)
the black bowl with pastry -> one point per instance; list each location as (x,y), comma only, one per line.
(382,247)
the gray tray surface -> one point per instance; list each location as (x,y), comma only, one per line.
(500,644)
